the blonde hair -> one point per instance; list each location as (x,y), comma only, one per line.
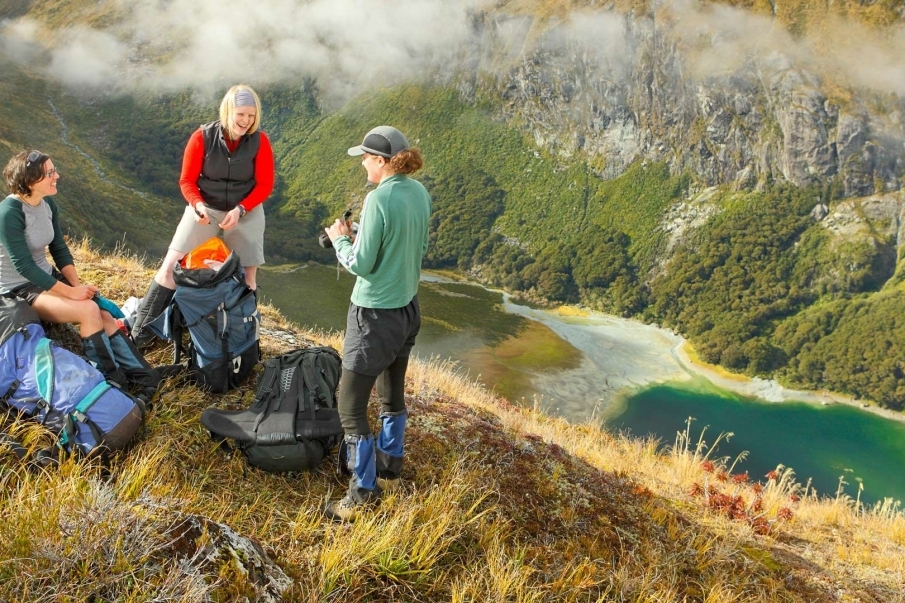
(228,108)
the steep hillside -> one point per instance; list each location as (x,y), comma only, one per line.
(499,504)
(729,170)
(97,197)
(724,94)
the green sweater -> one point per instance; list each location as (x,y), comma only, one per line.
(391,240)
(26,234)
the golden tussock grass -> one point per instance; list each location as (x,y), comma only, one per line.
(499,503)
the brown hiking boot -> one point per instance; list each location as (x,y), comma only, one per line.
(344,509)
(389,484)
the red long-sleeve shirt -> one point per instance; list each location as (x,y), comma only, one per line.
(193,161)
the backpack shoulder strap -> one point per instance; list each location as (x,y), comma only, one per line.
(80,414)
(44,369)
(268,382)
(309,373)
(320,392)
(177,326)
(267,392)
(276,417)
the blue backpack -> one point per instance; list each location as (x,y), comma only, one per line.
(59,388)
(220,313)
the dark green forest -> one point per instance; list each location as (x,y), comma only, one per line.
(760,287)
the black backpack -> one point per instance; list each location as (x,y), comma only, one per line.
(293,422)
(220,313)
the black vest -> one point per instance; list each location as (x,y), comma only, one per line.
(226,179)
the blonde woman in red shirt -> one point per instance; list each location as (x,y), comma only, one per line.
(227,173)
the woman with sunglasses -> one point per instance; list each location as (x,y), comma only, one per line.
(29,227)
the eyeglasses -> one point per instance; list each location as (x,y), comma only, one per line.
(50,173)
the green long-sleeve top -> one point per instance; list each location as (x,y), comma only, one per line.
(26,234)
(391,240)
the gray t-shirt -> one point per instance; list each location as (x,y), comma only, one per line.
(26,233)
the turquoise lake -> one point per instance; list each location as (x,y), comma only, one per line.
(511,355)
(821,443)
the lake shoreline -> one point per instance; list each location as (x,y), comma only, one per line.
(769,390)
(765,390)
(632,355)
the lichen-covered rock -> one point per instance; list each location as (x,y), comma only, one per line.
(217,549)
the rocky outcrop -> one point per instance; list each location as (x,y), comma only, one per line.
(879,216)
(685,217)
(629,92)
(209,547)
(867,238)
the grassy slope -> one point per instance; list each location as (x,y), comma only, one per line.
(499,504)
(96,197)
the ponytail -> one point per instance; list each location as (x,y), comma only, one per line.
(407,161)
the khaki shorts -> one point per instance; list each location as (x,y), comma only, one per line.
(246,239)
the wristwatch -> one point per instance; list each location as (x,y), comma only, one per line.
(242,211)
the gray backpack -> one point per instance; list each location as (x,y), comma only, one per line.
(293,422)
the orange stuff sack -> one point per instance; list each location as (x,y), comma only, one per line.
(213,249)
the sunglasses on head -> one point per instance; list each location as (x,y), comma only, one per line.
(35,157)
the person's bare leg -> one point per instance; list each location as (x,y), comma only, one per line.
(251,273)
(56,309)
(164,274)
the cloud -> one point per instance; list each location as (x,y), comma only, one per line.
(601,35)
(199,44)
(87,57)
(19,40)
(866,58)
(719,39)
(351,45)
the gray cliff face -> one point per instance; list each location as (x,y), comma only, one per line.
(628,92)
(867,234)
(875,218)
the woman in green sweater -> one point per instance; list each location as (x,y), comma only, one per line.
(384,316)
(29,227)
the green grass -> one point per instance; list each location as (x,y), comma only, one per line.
(96,198)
